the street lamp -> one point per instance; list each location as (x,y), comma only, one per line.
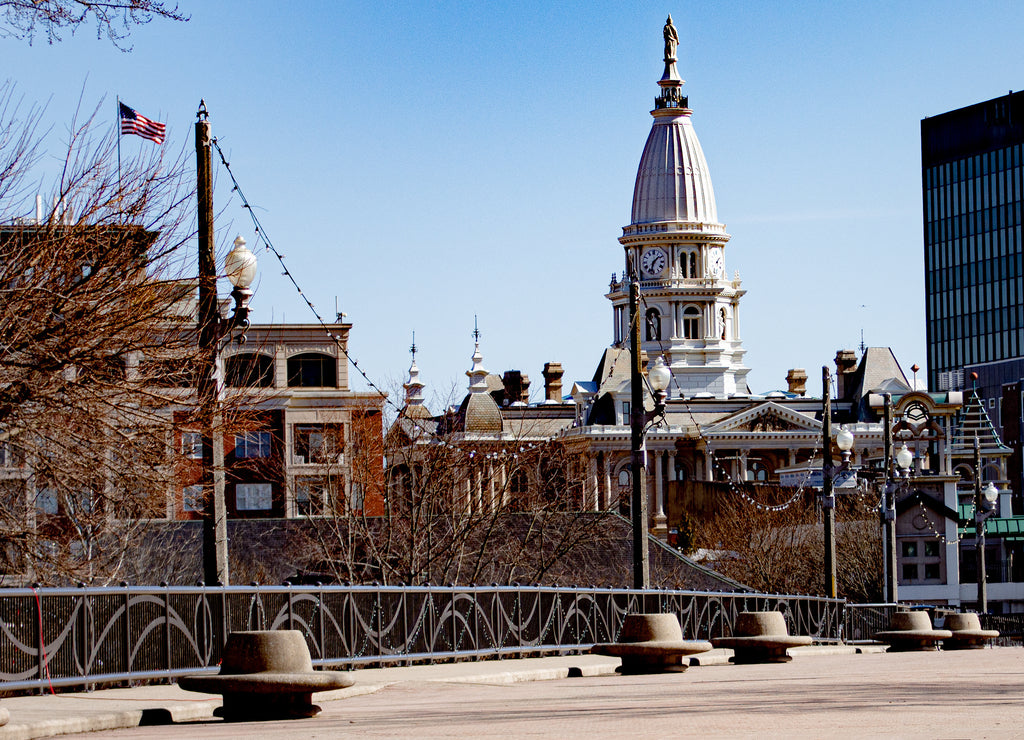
(844,441)
(658,378)
(900,463)
(240,268)
(904,459)
(984,507)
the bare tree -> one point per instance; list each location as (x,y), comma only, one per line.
(23,19)
(95,349)
(771,539)
(450,510)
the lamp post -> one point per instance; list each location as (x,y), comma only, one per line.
(888,506)
(901,462)
(844,441)
(659,377)
(984,507)
(240,268)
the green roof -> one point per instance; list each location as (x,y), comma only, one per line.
(1010,528)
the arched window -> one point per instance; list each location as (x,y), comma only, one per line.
(312,370)
(692,265)
(625,491)
(653,325)
(757,471)
(251,370)
(691,322)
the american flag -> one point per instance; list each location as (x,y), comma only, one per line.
(133,123)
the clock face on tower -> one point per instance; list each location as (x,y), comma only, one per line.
(654,261)
(716,265)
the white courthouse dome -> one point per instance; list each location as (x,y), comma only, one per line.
(673,182)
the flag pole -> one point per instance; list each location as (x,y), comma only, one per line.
(118,126)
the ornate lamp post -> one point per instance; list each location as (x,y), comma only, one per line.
(240,268)
(901,462)
(984,506)
(658,377)
(844,441)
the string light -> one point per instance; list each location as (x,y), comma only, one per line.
(262,236)
(733,487)
(269,247)
(940,535)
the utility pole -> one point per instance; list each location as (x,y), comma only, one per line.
(638,466)
(215,524)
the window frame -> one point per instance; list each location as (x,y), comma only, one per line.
(192,498)
(247,449)
(297,370)
(691,322)
(253,494)
(192,445)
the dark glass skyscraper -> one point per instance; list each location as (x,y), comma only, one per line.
(972,171)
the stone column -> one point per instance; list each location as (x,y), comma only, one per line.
(743,463)
(506,495)
(492,491)
(709,469)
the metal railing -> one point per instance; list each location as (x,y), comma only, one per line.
(67,637)
(862,621)
(1010,626)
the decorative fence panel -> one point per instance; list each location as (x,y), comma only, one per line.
(862,621)
(66,637)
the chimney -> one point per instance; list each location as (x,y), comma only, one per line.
(553,382)
(846,362)
(797,380)
(517,387)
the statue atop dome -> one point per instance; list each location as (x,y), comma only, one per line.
(671,40)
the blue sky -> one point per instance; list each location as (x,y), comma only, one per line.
(423,163)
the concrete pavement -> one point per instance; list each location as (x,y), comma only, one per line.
(977,693)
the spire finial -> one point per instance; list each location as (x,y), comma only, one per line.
(671,40)
(477,374)
(670,82)
(414,388)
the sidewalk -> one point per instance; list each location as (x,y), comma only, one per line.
(108,709)
(976,693)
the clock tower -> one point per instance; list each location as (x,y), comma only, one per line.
(675,247)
